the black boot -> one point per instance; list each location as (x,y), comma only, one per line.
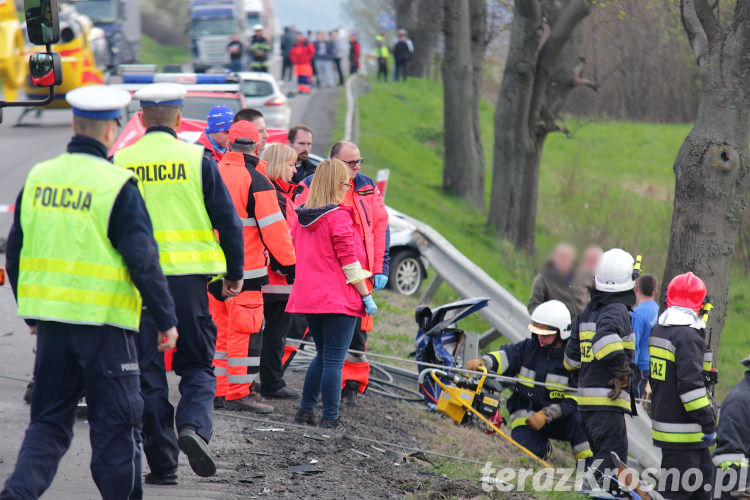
(349,393)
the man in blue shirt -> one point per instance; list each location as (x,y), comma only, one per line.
(643,318)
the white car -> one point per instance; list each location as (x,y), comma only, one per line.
(263,93)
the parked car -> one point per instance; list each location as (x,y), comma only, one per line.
(262,92)
(408,267)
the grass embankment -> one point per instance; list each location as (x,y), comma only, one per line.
(609,183)
(152,52)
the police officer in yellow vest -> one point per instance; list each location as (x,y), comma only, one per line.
(186,200)
(80,250)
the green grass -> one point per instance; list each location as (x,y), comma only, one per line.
(152,52)
(609,183)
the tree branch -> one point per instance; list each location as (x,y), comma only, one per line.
(694,29)
(560,33)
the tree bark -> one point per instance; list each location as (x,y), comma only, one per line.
(425,34)
(478,22)
(463,169)
(711,181)
(538,78)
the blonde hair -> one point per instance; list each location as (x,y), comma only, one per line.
(278,157)
(325,183)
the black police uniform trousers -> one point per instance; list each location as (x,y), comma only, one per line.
(193,362)
(568,429)
(279,325)
(607,432)
(103,362)
(677,486)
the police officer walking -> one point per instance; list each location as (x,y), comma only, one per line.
(601,350)
(683,419)
(186,200)
(80,250)
(548,410)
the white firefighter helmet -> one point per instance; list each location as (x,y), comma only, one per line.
(550,318)
(615,271)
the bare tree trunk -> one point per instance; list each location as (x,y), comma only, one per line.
(463,170)
(478,22)
(404,12)
(425,34)
(711,181)
(537,79)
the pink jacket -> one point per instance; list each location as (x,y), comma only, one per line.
(324,241)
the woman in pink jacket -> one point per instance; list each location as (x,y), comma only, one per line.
(329,287)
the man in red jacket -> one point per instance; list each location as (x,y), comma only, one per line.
(372,219)
(301,55)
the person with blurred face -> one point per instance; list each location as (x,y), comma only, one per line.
(583,282)
(300,139)
(555,280)
(371,218)
(256,118)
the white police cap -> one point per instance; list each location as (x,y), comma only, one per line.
(98,101)
(161,94)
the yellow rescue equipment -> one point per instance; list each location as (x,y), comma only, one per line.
(13,66)
(455,402)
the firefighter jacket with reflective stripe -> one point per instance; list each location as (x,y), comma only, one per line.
(528,361)
(732,434)
(172,186)
(68,270)
(372,216)
(601,343)
(681,410)
(264,228)
(279,285)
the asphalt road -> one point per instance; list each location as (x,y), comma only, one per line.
(36,140)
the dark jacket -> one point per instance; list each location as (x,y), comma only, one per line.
(323,50)
(131,234)
(601,347)
(681,411)
(287,41)
(732,436)
(528,360)
(549,285)
(304,170)
(401,51)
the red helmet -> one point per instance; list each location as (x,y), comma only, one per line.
(686,290)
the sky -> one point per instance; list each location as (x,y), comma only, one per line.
(311,14)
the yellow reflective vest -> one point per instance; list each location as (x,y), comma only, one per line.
(68,269)
(171,182)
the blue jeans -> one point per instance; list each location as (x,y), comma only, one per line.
(332,334)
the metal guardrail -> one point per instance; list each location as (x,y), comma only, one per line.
(505,313)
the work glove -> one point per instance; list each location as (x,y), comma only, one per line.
(380,281)
(370,306)
(709,438)
(537,420)
(475,364)
(617,384)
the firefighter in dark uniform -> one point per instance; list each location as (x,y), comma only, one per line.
(601,351)
(732,450)
(80,250)
(539,413)
(186,200)
(683,418)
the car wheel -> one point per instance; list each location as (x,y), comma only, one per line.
(406,273)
